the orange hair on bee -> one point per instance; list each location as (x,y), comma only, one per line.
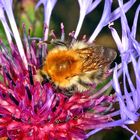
(62,64)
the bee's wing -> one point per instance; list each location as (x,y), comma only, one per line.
(96,57)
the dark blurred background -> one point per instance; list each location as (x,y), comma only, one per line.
(67,11)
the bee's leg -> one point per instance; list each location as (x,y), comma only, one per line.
(97,77)
(81,85)
(68,92)
(46,79)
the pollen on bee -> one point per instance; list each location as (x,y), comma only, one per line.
(79,45)
(62,64)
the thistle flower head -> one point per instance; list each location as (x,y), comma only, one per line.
(41,111)
(37,112)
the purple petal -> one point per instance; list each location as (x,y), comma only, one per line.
(117,39)
(88,5)
(136,70)
(129,102)
(135,44)
(93,6)
(125,27)
(124,111)
(85,8)
(116,13)
(93,132)
(5,25)
(134,133)
(104,20)
(44,2)
(110,17)
(48,7)
(115,81)
(137,75)
(134,27)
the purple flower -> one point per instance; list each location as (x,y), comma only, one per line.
(129,51)
(31,109)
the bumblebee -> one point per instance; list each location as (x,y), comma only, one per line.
(78,65)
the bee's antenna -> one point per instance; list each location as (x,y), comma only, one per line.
(57,42)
